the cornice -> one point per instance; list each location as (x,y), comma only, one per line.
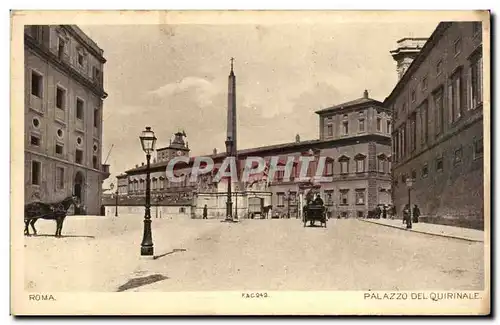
(65,67)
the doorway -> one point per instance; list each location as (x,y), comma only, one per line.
(78,191)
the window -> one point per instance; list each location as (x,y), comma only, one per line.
(454,97)
(413,174)
(35,31)
(413,131)
(457,46)
(36,172)
(439,164)
(389,127)
(96,74)
(362,125)
(59,149)
(95,163)
(457,158)
(424,120)
(79,156)
(381,165)
(424,83)
(96,117)
(413,96)
(162,183)
(343,197)
(395,146)
(61,48)
(478,148)
(329,167)
(439,67)
(79,109)
(379,124)
(281,199)
(344,165)
(360,197)
(476,83)
(182,210)
(425,171)
(476,27)
(35,141)
(36,84)
(403,140)
(59,178)
(329,197)
(60,98)
(36,122)
(404,107)
(81,59)
(360,165)
(330,130)
(438,109)
(293,197)
(345,129)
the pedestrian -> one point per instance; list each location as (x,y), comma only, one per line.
(205,212)
(406,214)
(393,212)
(416,213)
(384,211)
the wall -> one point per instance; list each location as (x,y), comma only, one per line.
(52,121)
(161,211)
(455,194)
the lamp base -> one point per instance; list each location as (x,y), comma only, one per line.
(147,251)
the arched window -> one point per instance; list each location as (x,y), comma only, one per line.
(360,163)
(344,164)
(329,166)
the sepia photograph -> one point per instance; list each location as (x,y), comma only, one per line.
(250,162)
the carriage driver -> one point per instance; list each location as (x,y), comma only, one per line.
(318,200)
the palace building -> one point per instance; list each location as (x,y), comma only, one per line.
(437,138)
(63,116)
(354,138)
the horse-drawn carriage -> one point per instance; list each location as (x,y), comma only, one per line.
(314,212)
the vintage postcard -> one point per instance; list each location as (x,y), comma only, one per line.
(250,163)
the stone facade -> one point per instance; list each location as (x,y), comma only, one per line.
(438,128)
(63,116)
(358,160)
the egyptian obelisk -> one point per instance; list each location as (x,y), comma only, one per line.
(231,137)
(231,110)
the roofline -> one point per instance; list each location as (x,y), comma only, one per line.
(412,39)
(276,147)
(421,56)
(339,106)
(86,41)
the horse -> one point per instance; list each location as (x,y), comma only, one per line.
(49,211)
(265,211)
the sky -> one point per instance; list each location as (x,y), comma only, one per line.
(175,77)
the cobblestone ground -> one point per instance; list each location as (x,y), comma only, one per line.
(199,255)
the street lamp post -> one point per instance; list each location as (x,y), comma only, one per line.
(112,186)
(229,203)
(288,198)
(116,204)
(148,141)
(409,184)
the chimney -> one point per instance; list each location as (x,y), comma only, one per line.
(365,94)
(406,51)
(142,164)
(136,166)
(215,151)
(297,138)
